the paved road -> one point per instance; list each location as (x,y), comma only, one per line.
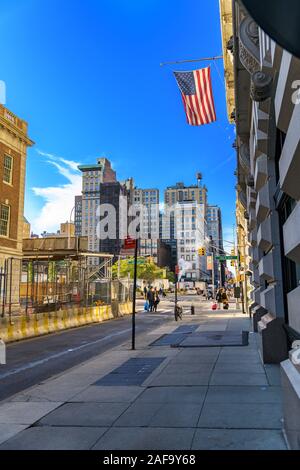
(32,361)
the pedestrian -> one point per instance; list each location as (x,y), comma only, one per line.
(150,298)
(156,302)
(224,300)
(219,298)
(145,292)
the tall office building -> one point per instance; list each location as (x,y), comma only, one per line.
(92,178)
(78,216)
(192,201)
(180,193)
(110,193)
(167,233)
(215,233)
(191,234)
(148,202)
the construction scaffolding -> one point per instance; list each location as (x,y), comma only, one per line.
(55,274)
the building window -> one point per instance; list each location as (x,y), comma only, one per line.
(4,220)
(7,169)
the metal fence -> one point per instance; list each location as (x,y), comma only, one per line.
(37,286)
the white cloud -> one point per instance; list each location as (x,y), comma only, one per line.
(59,200)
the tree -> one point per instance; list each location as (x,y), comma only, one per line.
(171,276)
(146,270)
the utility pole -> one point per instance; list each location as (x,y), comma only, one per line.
(119,266)
(176,296)
(134,291)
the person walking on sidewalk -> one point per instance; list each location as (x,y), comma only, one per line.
(151,298)
(156,301)
(219,298)
(225,300)
(145,292)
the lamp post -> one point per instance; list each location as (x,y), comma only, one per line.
(69,228)
(134,288)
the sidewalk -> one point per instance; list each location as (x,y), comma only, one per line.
(161,398)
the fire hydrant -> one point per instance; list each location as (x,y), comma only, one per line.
(192,310)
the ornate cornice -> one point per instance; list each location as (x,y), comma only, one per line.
(244,157)
(249,45)
(261,86)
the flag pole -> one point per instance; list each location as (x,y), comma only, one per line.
(217,57)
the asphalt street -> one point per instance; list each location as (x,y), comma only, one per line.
(31,361)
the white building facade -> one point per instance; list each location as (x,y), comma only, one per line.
(92,177)
(191,235)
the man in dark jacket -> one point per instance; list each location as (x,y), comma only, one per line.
(151,298)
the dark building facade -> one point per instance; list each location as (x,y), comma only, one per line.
(110,193)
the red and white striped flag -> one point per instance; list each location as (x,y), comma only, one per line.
(197,96)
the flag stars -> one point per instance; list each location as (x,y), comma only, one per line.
(186,82)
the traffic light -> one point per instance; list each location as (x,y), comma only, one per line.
(232,263)
(202,251)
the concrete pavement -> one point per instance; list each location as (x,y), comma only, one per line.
(156,397)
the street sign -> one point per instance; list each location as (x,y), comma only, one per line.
(139,261)
(225,258)
(128,248)
(129,243)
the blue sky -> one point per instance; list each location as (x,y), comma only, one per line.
(86,76)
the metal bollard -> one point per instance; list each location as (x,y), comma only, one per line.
(2,352)
(192,310)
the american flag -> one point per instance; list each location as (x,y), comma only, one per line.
(197,96)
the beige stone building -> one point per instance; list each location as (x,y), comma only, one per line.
(26,228)
(67,229)
(263,78)
(14,142)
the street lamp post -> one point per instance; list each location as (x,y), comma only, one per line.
(69,228)
(134,289)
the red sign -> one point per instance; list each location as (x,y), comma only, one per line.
(129,244)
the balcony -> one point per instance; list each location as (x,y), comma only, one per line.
(255,278)
(255,256)
(291,235)
(260,143)
(266,268)
(251,198)
(268,299)
(252,237)
(263,203)
(261,172)
(293,308)
(252,219)
(264,235)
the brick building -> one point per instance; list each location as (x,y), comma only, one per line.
(14,142)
